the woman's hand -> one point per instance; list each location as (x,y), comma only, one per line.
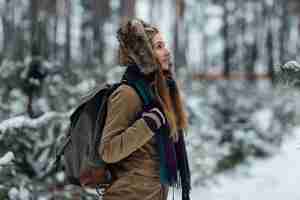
(154,117)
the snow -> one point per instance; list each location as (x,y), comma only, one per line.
(292,65)
(263,119)
(7,158)
(276,178)
(15,194)
(213,10)
(24,121)
(85,85)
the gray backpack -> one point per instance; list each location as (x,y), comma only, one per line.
(82,162)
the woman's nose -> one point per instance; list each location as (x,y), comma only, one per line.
(167,52)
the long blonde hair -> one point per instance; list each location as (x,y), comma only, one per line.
(172,104)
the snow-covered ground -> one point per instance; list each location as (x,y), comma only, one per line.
(276,178)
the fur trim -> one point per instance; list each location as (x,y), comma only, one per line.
(133,37)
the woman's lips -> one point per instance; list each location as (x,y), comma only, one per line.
(166,60)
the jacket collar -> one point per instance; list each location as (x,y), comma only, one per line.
(133,73)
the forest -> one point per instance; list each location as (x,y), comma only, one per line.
(236,61)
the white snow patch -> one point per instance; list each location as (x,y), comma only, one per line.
(24,121)
(15,194)
(263,119)
(7,158)
(276,178)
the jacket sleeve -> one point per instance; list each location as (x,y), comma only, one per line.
(121,134)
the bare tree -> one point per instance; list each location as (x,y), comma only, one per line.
(101,13)
(293,8)
(127,9)
(284,30)
(180,35)
(34,39)
(250,47)
(8,29)
(225,33)
(267,17)
(68,33)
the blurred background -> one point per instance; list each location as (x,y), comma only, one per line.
(234,59)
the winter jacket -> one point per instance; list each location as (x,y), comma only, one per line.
(129,147)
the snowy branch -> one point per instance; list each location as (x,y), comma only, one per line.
(20,122)
(7,158)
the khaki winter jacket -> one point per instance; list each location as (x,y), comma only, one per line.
(129,147)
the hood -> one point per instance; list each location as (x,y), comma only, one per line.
(134,36)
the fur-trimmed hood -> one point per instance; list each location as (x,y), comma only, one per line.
(135,37)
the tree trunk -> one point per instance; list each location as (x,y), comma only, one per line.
(225,34)
(283,32)
(68,34)
(127,9)
(269,40)
(180,36)
(252,56)
(35,46)
(270,56)
(152,10)
(203,52)
(7,36)
(101,12)
(8,30)
(54,46)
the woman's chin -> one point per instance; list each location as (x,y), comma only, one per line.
(165,67)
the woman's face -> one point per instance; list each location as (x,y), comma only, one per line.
(161,51)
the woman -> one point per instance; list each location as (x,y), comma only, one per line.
(144,142)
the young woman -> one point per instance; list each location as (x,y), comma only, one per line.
(144,143)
